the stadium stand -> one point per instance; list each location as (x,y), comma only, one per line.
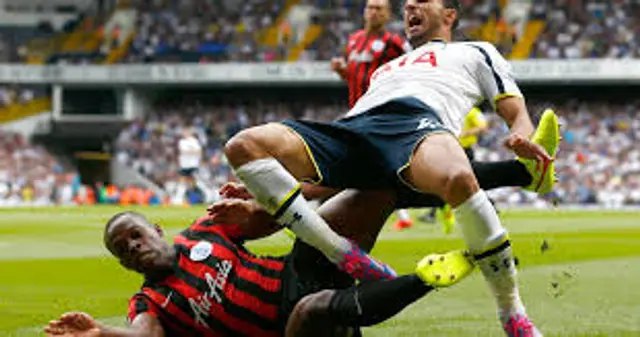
(303,30)
(274,30)
(30,176)
(202,31)
(599,161)
(588,29)
(150,145)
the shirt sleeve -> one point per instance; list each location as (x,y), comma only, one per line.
(478,119)
(140,304)
(494,74)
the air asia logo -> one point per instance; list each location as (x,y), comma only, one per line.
(201,305)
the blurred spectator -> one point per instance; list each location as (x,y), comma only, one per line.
(10,95)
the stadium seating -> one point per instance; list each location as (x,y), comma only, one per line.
(203,31)
(30,176)
(599,162)
(271,30)
(302,30)
(588,29)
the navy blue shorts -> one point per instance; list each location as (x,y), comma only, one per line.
(369,150)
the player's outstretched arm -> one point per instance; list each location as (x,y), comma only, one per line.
(513,111)
(79,324)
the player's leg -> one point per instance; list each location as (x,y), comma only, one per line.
(270,160)
(520,172)
(509,173)
(358,214)
(374,302)
(440,166)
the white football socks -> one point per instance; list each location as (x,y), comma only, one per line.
(487,240)
(279,193)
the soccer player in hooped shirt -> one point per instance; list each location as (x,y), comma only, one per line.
(208,284)
(403,133)
(367,49)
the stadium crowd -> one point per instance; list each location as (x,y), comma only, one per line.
(29,175)
(229,30)
(341,18)
(150,145)
(588,29)
(598,163)
(219,31)
(202,31)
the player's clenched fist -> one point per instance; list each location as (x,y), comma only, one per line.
(338,64)
(73,324)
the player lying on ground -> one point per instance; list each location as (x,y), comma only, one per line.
(208,284)
(402,134)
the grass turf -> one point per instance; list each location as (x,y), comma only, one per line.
(52,261)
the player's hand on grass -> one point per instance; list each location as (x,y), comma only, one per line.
(233,190)
(524,148)
(231,211)
(73,324)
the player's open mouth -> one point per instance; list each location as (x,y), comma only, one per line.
(414,21)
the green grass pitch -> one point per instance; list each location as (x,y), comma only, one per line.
(52,261)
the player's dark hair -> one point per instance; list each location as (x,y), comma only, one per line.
(119,216)
(455,4)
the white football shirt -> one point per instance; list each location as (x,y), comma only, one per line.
(450,77)
(190,152)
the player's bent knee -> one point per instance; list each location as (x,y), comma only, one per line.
(460,185)
(246,146)
(310,316)
(315,305)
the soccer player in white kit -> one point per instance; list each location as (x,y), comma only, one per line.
(402,134)
(189,154)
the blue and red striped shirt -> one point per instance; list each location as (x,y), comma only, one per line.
(217,287)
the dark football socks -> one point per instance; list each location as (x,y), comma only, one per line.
(374,302)
(508,173)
